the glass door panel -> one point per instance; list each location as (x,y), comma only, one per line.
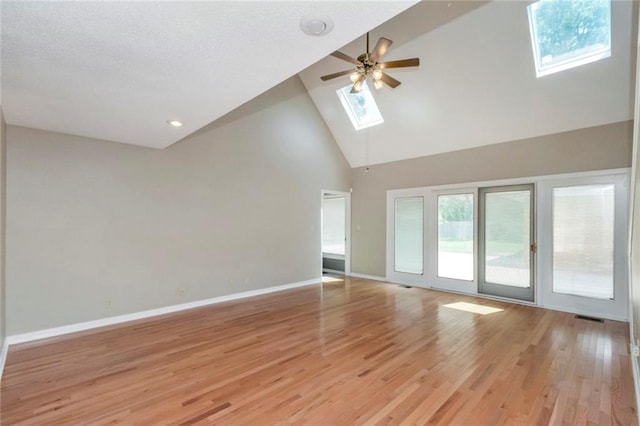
(409,231)
(583,244)
(455,236)
(506,242)
(583,231)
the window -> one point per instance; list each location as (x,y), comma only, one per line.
(583,230)
(360,107)
(333,225)
(569,33)
(455,236)
(409,221)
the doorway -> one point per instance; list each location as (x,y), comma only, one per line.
(335,231)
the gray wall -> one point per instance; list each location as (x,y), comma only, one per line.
(596,148)
(97,229)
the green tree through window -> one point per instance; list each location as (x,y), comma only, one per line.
(568,31)
(455,208)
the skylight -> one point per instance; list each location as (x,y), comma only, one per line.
(569,33)
(360,107)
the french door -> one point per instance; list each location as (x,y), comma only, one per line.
(558,241)
(506,247)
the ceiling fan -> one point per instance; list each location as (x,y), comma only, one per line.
(367,65)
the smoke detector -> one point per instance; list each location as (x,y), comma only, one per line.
(316,26)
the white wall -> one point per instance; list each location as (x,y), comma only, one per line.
(98,229)
(635,221)
(3,193)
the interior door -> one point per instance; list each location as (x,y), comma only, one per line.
(506,246)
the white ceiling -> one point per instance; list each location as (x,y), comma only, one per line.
(119,70)
(476,84)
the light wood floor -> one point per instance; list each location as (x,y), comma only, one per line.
(358,352)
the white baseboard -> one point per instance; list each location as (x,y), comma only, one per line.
(636,378)
(368,277)
(82,326)
(622,318)
(3,357)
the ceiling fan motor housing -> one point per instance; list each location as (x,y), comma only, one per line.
(366,66)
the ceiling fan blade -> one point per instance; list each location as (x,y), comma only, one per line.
(357,85)
(381,48)
(413,62)
(389,81)
(337,74)
(345,57)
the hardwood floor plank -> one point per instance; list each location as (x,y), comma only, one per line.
(351,352)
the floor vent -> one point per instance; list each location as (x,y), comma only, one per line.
(405,286)
(594,319)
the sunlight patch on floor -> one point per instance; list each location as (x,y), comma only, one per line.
(473,308)
(326,279)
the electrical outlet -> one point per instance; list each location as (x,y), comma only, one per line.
(636,351)
(107,304)
(181,291)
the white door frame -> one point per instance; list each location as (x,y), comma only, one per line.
(418,280)
(436,281)
(347,231)
(615,308)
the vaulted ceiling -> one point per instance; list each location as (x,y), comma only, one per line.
(476,83)
(119,70)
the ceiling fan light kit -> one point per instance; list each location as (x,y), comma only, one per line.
(367,65)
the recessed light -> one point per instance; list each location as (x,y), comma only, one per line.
(175,123)
(316,26)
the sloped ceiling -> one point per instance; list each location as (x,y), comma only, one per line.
(476,84)
(119,70)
